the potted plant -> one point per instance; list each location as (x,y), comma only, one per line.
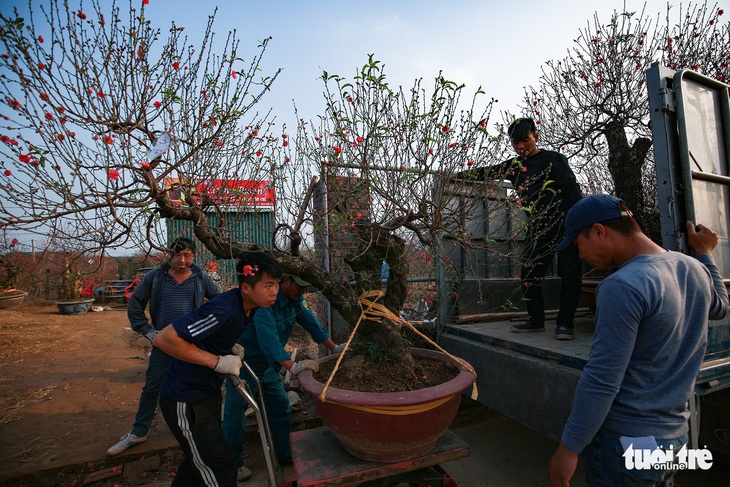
(70,300)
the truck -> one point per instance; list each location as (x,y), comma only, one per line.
(531,378)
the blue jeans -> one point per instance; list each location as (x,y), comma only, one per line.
(278,411)
(153,379)
(605,466)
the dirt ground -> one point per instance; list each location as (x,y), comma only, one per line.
(69,388)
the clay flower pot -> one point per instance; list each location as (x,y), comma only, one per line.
(588,291)
(389,427)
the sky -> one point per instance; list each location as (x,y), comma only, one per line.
(496,44)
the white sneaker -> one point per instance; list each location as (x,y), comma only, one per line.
(243,474)
(126,441)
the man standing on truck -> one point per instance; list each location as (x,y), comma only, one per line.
(546,186)
(649,342)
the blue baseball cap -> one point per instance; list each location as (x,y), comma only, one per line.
(592,209)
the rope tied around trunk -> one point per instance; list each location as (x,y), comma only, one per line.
(374,311)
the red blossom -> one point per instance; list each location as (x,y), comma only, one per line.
(40,39)
(286,143)
(100,94)
(234,74)
(44,97)
(8,172)
(176,65)
(49,116)
(61,137)
(337,149)
(249,271)
(470,163)
(145,2)
(720,12)
(89,90)
(14,104)
(145,165)
(108,139)
(258,153)
(72,134)
(60,109)
(445,128)
(41,66)
(14,242)
(349,98)
(219,143)
(81,15)
(113,174)
(359,140)
(286,159)
(157,104)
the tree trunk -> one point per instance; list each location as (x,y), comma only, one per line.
(625,163)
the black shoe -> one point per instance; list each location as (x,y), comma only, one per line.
(528,327)
(563,332)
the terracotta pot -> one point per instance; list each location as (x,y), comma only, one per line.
(12,298)
(389,427)
(588,292)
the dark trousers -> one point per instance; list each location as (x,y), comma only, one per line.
(197,428)
(538,256)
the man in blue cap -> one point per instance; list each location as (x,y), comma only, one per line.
(649,342)
(264,343)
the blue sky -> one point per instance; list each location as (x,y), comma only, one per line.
(498,45)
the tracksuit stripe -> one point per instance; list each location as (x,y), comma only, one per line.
(200,326)
(182,421)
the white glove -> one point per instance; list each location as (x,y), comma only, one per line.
(228,364)
(237,350)
(150,335)
(338,348)
(304,365)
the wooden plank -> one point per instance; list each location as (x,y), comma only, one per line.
(319,460)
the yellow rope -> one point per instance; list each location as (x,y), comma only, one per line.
(375,311)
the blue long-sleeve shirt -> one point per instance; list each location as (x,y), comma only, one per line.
(650,340)
(264,341)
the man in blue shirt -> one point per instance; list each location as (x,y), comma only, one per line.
(203,344)
(650,340)
(265,354)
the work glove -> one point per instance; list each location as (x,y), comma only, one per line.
(237,350)
(228,364)
(338,348)
(150,335)
(304,365)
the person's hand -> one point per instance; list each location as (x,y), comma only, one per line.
(150,335)
(338,348)
(700,238)
(237,349)
(304,365)
(228,364)
(562,466)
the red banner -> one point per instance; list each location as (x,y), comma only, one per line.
(223,192)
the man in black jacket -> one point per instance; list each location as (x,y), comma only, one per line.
(547,188)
